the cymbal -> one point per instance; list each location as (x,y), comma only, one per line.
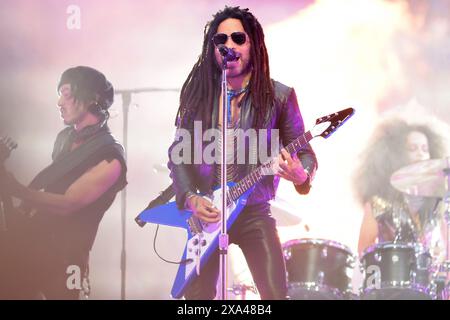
(424,178)
(282,212)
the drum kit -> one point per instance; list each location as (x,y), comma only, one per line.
(322,269)
(409,271)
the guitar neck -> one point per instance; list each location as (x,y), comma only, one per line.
(265,169)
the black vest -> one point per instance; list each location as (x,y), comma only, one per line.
(75,234)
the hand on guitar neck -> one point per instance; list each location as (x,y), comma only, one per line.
(6,146)
(9,185)
(290,168)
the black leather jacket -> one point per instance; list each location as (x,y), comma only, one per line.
(285,116)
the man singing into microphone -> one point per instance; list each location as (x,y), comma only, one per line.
(254,101)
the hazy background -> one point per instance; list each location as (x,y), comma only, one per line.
(381,57)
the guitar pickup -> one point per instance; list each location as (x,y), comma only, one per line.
(195,226)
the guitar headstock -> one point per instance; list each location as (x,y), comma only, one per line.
(6,146)
(327,125)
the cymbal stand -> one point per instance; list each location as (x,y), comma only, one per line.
(446,265)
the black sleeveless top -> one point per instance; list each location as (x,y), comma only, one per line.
(74,235)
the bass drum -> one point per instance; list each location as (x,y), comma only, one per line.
(318,269)
(396,271)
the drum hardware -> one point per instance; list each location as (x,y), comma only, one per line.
(429,178)
(287,252)
(377,257)
(315,291)
(324,252)
(440,284)
(446,266)
(320,278)
(241,289)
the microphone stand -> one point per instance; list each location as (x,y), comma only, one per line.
(3,225)
(447,217)
(6,204)
(223,237)
(126,101)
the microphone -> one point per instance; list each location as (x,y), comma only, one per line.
(228,54)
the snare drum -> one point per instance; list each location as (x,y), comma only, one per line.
(396,271)
(318,269)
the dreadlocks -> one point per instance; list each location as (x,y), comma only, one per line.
(201,87)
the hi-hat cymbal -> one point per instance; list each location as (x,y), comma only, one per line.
(424,178)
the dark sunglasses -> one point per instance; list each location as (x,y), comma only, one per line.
(221,38)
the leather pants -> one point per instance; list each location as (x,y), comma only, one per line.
(256,234)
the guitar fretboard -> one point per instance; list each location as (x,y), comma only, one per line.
(265,169)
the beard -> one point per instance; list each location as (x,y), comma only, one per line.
(240,71)
(74,115)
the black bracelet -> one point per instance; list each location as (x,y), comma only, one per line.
(307,181)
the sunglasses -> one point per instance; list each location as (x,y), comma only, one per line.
(221,38)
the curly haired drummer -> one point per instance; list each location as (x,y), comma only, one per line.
(390,215)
